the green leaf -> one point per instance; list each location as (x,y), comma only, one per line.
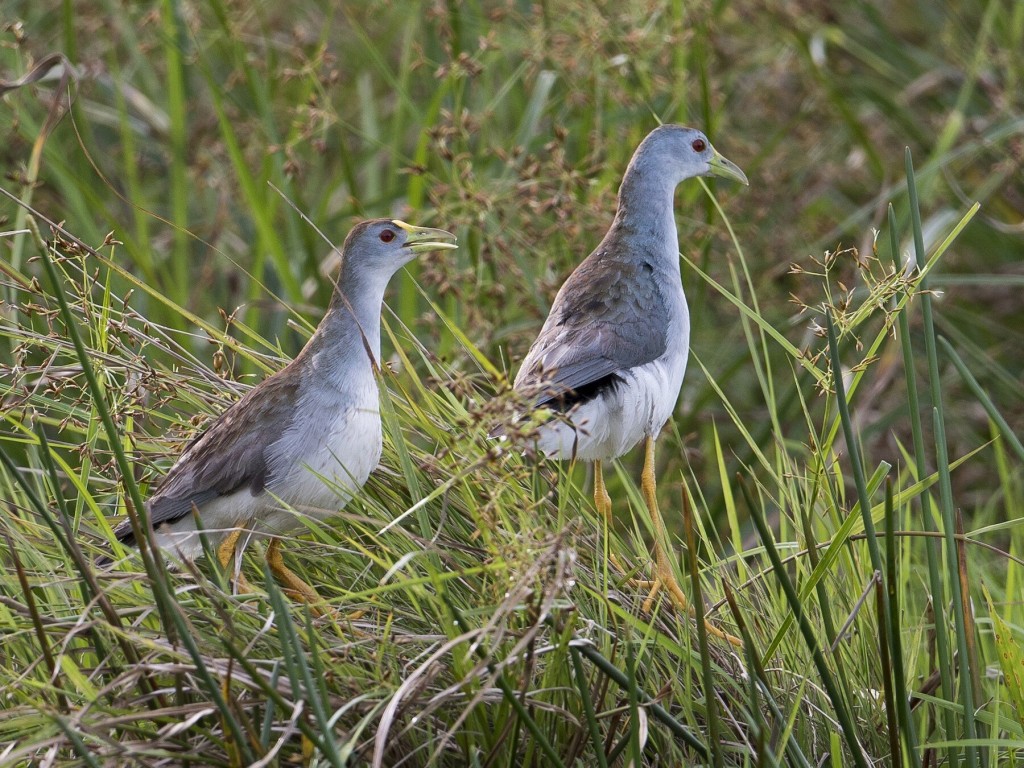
(1011,657)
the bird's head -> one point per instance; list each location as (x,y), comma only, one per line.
(386,245)
(683,153)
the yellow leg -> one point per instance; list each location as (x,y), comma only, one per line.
(602,501)
(296,586)
(226,550)
(603,504)
(226,558)
(662,566)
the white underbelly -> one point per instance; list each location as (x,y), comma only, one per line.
(620,417)
(314,474)
(333,467)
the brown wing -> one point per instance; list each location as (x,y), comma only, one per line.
(228,456)
(607,317)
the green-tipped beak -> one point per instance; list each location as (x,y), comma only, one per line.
(727,169)
(426,239)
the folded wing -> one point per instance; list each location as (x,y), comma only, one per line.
(598,327)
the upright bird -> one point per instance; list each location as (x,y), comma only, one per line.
(611,355)
(304,440)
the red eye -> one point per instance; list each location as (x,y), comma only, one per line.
(387,236)
(699,145)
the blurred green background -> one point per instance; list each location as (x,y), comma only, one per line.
(511,123)
(194,133)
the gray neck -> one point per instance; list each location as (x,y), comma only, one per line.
(347,340)
(646,211)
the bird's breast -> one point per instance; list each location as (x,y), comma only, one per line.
(332,446)
(636,404)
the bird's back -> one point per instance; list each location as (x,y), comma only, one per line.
(610,315)
(289,440)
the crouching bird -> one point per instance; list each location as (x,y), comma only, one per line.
(611,355)
(304,440)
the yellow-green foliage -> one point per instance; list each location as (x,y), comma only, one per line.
(1011,657)
(503,621)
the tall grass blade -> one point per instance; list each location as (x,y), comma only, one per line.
(932,546)
(1011,656)
(707,672)
(907,729)
(759,681)
(846,726)
(884,642)
(1005,431)
(945,485)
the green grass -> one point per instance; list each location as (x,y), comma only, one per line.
(862,531)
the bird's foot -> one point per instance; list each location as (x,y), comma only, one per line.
(662,566)
(297,589)
(318,606)
(677,597)
(654,587)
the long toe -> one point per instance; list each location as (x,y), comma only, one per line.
(655,587)
(299,590)
(667,580)
(295,587)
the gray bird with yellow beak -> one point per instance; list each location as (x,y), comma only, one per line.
(304,440)
(611,355)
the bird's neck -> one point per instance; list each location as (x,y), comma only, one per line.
(646,210)
(348,338)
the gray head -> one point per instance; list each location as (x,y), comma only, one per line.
(677,153)
(383,246)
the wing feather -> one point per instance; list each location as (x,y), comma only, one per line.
(229,455)
(604,320)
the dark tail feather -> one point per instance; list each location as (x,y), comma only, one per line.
(125,535)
